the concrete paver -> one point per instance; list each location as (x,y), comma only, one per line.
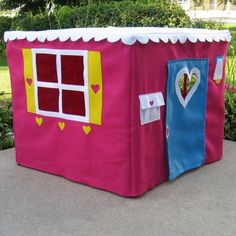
(201,202)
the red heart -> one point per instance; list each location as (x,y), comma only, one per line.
(151,103)
(29,81)
(95,88)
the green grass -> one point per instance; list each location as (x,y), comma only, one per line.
(231,60)
(5,85)
(232,29)
(231,69)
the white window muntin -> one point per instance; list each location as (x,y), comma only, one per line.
(59,84)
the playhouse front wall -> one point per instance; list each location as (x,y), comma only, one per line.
(99,155)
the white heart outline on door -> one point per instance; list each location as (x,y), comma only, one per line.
(184,101)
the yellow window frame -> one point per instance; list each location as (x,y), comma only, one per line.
(94,81)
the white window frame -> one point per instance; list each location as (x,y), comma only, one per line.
(59,84)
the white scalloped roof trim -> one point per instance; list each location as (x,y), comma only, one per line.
(127,35)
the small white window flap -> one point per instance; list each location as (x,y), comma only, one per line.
(151,100)
(218,74)
(150,107)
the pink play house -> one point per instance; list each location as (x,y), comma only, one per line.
(120,109)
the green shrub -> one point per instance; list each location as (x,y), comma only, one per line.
(5,25)
(66,17)
(230,115)
(230,93)
(232,48)
(107,13)
(208,24)
(28,21)
(132,13)
(6,127)
(231,66)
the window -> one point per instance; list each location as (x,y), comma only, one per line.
(150,104)
(64,84)
(218,73)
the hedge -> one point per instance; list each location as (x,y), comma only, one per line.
(102,14)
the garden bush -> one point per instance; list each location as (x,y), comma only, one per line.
(230,91)
(5,24)
(133,13)
(230,114)
(6,127)
(106,13)
(208,24)
(28,21)
(65,17)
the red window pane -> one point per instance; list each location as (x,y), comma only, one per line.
(48,99)
(73,102)
(72,70)
(46,68)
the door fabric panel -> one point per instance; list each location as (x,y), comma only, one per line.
(185,115)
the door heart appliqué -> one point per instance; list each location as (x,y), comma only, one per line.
(195,72)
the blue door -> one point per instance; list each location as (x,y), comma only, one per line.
(185,114)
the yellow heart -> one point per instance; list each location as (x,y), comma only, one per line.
(218,81)
(61,125)
(39,121)
(86,129)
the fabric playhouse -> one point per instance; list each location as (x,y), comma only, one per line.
(120,109)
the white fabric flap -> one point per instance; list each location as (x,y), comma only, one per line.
(151,100)
(218,74)
(127,35)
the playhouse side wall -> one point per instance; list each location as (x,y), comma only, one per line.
(150,75)
(215,105)
(149,160)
